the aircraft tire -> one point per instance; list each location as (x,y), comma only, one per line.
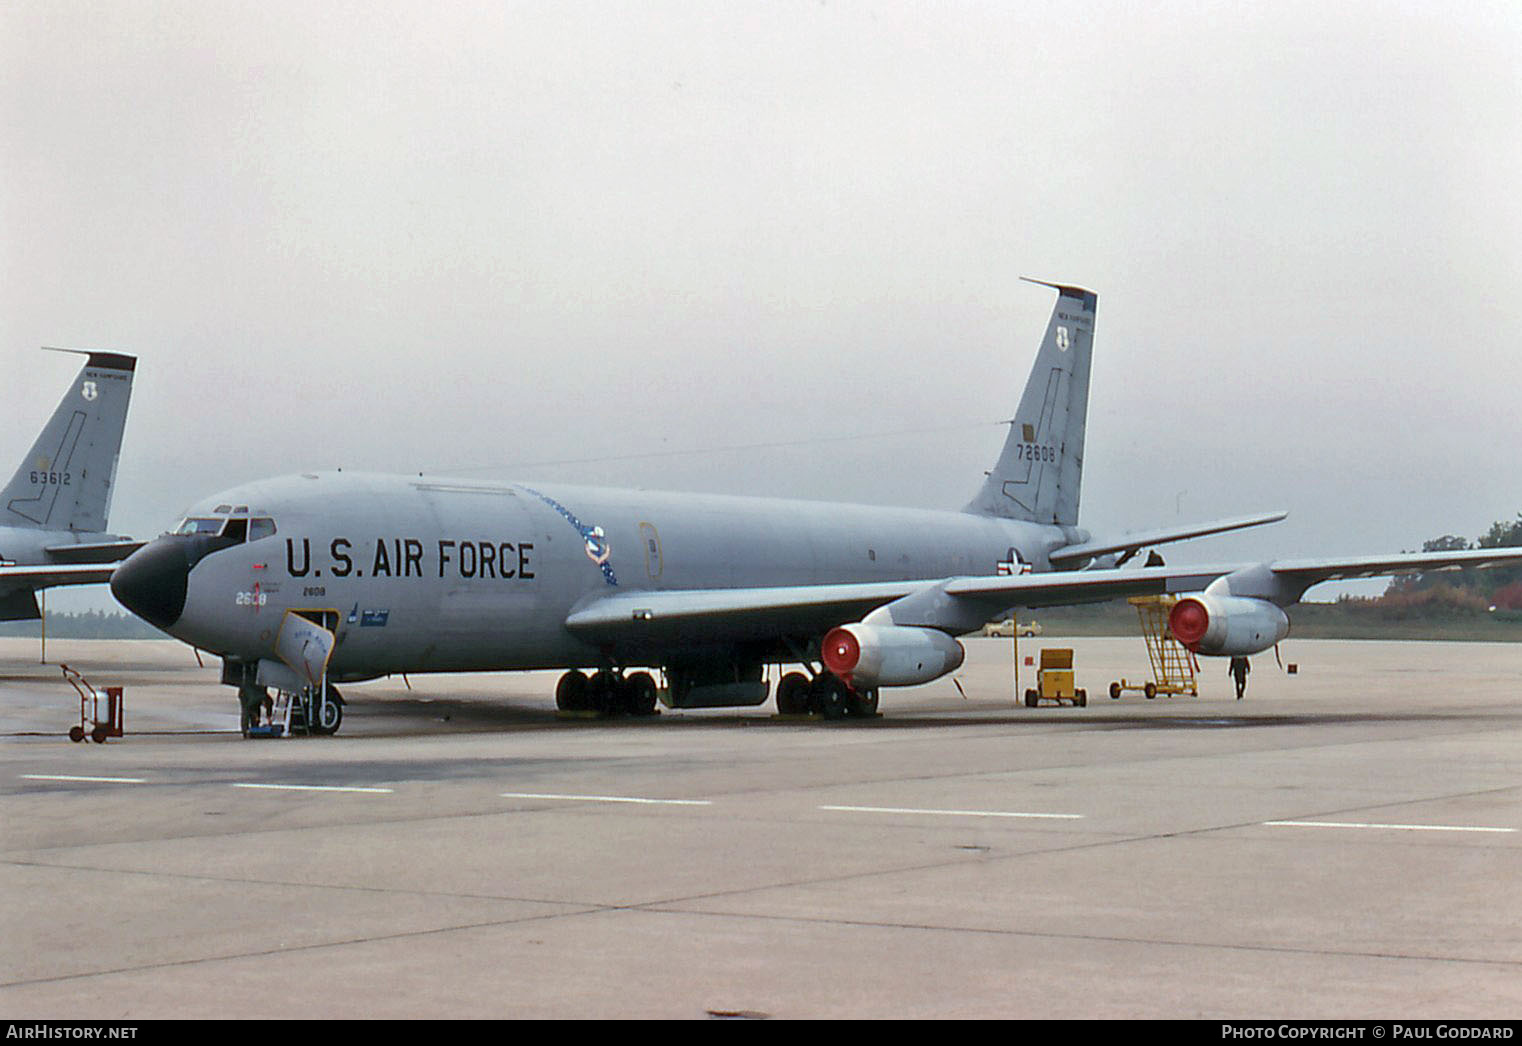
(793,694)
(863,704)
(603,693)
(571,692)
(331,714)
(640,694)
(832,695)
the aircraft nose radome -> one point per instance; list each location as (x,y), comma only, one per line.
(151,582)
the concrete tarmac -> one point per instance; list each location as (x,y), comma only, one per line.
(1346,842)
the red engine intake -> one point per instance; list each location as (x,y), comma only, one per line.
(1189,621)
(841,653)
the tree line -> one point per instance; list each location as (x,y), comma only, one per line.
(92,624)
(1462,592)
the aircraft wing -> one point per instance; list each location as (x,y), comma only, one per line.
(1133,542)
(1314,571)
(55,575)
(959,604)
(1300,572)
(698,615)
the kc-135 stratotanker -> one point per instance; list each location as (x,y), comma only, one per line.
(313,579)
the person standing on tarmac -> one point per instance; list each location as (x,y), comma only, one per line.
(1238,671)
(252,699)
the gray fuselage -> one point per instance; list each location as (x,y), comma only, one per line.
(431,575)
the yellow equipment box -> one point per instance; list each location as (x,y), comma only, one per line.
(1054,680)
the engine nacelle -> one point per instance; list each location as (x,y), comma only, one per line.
(1230,626)
(868,656)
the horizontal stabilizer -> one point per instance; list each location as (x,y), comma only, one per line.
(93,552)
(1134,542)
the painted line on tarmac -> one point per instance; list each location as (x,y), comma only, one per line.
(1389,827)
(316,788)
(97,780)
(950,813)
(608,799)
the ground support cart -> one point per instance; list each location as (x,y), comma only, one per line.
(91,725)
(1054,680)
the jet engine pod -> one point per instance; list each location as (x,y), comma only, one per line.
(868,656)
(1230,626)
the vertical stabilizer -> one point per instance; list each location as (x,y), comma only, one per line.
(65,481)
(1039,472)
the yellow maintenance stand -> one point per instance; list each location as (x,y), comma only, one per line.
(1172,665)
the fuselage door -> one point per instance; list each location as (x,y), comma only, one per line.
(651,539)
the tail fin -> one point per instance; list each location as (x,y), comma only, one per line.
(65,482)
(1038,474)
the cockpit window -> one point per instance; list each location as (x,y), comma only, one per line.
(200,525)
(238,530)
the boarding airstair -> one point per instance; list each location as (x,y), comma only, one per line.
(279,724)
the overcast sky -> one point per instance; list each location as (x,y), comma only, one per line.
(536,241)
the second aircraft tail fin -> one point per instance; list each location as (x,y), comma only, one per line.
(65,481)
(1039,472)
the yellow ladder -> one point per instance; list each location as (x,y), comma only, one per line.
(1173,668)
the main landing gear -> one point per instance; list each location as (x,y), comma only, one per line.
(614,693)
(826,694)
(606,693)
